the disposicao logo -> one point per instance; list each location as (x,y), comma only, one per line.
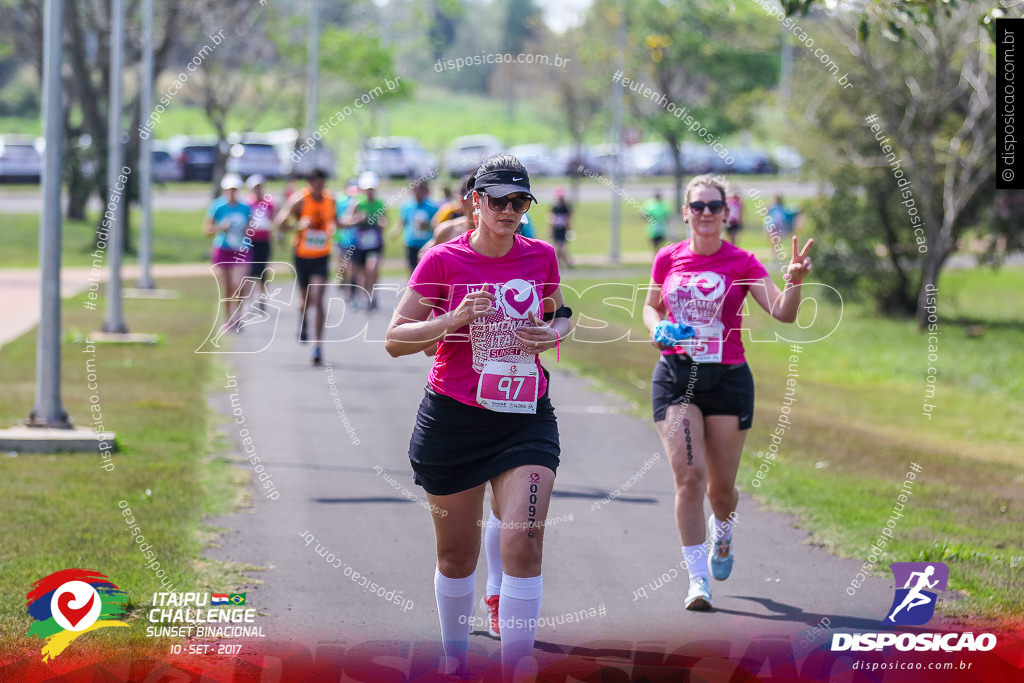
(914,604)
(917,587)
(68,603)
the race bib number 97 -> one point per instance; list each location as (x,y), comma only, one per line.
(508,387)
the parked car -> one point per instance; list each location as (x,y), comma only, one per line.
(295,162)
(651,158)
(751,161)
(249,158)
(195,156)
(788,159)
(699,158)
(396,157)
(163,166)
(575,163)
(466,152)
(20,159)
(538,159)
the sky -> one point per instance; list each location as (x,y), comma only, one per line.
(561,14)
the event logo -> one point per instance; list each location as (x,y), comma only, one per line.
(518,299)
(706,285)
(914,603)
(68,603)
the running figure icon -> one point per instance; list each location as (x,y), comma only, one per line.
(915,597)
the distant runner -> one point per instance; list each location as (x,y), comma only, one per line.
(261,225)
(416,216)
(561,217)
(368,215)
(656,213)
(226,221)
(734,224)
(317,218)
(702,390)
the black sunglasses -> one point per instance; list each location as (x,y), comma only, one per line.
(715,206)
(519,204)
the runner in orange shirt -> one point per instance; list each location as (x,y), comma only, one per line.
(317,217)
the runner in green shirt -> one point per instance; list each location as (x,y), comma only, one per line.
(656,214)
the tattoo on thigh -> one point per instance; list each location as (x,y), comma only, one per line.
(532,509)
(689,442)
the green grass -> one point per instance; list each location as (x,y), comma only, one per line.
(177,238)
(61,511)
(858,425)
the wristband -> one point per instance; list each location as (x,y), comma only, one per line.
(563,312)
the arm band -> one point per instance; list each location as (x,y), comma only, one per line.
(563,312)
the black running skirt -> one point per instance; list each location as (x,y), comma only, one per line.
(456,447)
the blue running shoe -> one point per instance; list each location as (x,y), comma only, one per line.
(698,599)
(720,557)
(318,356)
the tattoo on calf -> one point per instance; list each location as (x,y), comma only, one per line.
(532,510)
(689,443)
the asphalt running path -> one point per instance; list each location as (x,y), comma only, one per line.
(334,443)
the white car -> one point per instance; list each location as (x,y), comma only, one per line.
(651,158)
(20,159)
(538,159)
(604,155)
(466,153)
(396,157)
(251,158)
(163,166)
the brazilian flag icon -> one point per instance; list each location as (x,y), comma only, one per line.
(237,598)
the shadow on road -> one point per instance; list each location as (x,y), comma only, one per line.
(784,612)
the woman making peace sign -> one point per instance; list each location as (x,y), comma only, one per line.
(702,390)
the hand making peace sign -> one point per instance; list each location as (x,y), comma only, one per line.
(801,263)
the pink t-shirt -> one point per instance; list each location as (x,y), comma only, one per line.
(707,292)
(262,217)
(521,279)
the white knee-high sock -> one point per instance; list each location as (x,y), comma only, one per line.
(696,557)
(492,548)
(517,615)
(455,610)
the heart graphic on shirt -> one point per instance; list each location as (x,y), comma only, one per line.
(518,298)
(706,285)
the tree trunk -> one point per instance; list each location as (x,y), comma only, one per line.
(574,176)
(933,263)
(677,181)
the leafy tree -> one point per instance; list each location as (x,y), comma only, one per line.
(931,87)
(710,67)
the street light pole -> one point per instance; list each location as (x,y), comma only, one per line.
(114,320)
(313,75)
(145,153)
(48,410)
(617,107)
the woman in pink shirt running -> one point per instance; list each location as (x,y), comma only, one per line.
(702,389)
(490,300)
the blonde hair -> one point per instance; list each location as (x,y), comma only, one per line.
(707,180)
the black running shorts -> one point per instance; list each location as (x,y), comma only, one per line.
(307,268)
(715,388)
